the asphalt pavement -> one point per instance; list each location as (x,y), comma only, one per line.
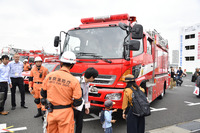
(178,111)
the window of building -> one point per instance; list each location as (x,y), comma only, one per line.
(189,58)
(190,36)
(190,47)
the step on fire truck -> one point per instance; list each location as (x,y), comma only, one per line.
(116,45)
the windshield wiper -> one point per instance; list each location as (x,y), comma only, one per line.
(93,55)
(85,54)
(100,57)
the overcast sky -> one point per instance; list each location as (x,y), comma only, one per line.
(33,24)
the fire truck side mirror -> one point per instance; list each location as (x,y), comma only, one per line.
(56,41)
(134,45)
(137,31)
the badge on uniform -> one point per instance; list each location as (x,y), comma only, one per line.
(16,74)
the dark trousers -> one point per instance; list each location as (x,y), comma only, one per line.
(179,81)
(78,117)
(135,124)
(20,83)
(4,89)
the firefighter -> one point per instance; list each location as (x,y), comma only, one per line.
(37,75)
(62,91)
(26,65)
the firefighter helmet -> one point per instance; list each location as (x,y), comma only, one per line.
(38,59)
(25,60)
(68,57)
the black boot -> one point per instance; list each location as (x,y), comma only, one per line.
(39,113)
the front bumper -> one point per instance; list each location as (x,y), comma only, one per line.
(98,98)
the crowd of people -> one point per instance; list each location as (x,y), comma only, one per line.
(176,77)
(62,99)
(11,74)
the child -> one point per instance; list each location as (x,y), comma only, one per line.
(107,125)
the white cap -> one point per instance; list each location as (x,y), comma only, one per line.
(68,57)
(25,60)
(38,59)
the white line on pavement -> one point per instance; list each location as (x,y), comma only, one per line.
(152,108)
(18,129)
(159,109)
(189,85)
(187,102)
(3,126)
(191,104)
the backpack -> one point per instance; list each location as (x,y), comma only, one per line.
(141,107)
(102,116)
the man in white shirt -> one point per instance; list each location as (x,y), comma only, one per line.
(4,81)
(16,69)
(90,75)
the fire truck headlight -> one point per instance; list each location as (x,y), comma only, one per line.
(114,96)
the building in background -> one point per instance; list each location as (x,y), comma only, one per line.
(175,58)
(189,56)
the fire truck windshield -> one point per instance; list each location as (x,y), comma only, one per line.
(21,58)
(106,42)
(31,59)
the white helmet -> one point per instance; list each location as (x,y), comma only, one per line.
(38,59)
(68,57)
(25,60)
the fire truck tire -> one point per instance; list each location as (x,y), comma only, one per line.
(26,87)
(163,93)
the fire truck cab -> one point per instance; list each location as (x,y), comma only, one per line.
(116,45)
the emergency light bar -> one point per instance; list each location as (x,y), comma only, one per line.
(108,18)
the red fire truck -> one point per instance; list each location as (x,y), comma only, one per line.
(116,45)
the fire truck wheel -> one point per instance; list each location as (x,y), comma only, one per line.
(163,93)
(26,87)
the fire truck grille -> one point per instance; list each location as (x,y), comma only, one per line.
(94,94)
(105,79)
(97,102)
(101,79)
